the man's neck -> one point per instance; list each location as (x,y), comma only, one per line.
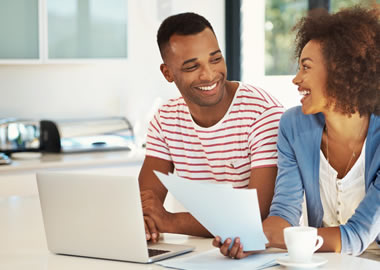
(208,116)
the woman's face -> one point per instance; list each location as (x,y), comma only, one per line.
(311,79)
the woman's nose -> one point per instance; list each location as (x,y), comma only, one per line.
(297,79)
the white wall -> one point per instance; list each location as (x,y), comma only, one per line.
(132,88)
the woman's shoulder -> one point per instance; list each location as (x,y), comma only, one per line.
(374,130)
(296,118)
(302,131)
(293,112)
(375,120)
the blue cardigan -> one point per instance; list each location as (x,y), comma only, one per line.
(299,143)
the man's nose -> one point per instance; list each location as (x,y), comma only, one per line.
(207,73)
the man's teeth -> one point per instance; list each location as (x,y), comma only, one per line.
(304,92)
(207,88)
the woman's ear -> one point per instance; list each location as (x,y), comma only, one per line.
(166,72)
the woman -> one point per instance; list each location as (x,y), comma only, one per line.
(329,148)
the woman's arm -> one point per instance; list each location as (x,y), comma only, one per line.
(364,226)
(331,239)
(274,226)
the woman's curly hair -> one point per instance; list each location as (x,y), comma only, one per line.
(350,41)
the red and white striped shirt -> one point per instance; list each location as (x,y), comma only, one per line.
(243,139)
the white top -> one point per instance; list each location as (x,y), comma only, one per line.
(340,197)
(243,139)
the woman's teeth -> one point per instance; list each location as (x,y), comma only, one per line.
(304,92)
(207,88)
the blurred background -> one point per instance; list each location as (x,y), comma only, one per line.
(77,59)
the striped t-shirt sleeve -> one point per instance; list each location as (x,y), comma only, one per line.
(156,145)
(262,138)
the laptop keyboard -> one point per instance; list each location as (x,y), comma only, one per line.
(155,252)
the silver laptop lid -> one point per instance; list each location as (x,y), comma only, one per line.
(93,215)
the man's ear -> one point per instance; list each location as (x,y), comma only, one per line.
(166,72)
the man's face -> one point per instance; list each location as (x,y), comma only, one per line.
(196,65)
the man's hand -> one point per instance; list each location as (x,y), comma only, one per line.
(236,251)
(151,231)
(156,218)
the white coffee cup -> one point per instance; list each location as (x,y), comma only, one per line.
(301,243)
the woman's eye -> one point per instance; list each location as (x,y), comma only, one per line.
(305,67)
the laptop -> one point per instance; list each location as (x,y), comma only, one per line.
(97,216)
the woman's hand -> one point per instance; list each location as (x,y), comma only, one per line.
(236,251)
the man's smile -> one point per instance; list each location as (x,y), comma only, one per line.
(207,88)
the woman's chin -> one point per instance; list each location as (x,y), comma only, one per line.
(306,110)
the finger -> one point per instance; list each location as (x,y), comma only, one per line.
(224,248)
(147,208)
(241,254)
(217,242)
(235,248)
(146,194)
(147,233)
(152,228)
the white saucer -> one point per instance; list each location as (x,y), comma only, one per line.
(315,261)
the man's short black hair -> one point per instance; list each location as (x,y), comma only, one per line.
(181,24)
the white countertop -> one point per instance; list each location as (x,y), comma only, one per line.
(73,160)
(23,244)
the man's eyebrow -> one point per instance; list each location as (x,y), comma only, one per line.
(213,53)
(188,61)
(195,59)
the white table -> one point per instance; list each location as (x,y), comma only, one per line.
(23,244)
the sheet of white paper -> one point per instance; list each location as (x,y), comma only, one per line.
(226,212)
(212,259)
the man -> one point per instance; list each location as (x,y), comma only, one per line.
(218,131)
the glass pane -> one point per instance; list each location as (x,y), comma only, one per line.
(87,28)
(336,5)
(19,29)
(280,17)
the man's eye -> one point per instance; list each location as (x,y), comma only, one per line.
(305,67)
(191,68)
(216,60)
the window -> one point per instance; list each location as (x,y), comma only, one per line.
(267,43)
(279,16)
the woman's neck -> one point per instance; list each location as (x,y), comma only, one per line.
(347,128)
(343,140)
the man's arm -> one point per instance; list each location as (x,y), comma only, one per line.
(153,195)
(150,184)
(263,180)
(149,181)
